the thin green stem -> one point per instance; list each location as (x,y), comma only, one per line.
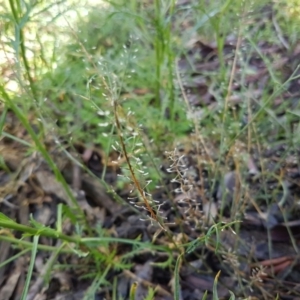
(12,258)
(159,50)
(47,232)
(17,16)
(22,243)
(31,266)
(171,64)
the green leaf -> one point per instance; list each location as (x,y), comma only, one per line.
(133,289)
(232,297)
(204,296)
(4,219)
(150,295)
(35,224)
(2,119)
(31,266)
(176,275)
(215,289)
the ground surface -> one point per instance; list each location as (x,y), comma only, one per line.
(122,188)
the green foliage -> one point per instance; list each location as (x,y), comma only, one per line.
(177,278)
(150,295)
(74,77)
(31,266)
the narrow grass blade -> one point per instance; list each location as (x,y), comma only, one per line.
(215,289)
(2,119)
(204,296)
(150,295)
(133,290)
(98,281)
(232,297)
(12,258)
(176,275)
(31,266)
(59,218)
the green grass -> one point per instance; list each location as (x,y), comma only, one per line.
(124,56)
